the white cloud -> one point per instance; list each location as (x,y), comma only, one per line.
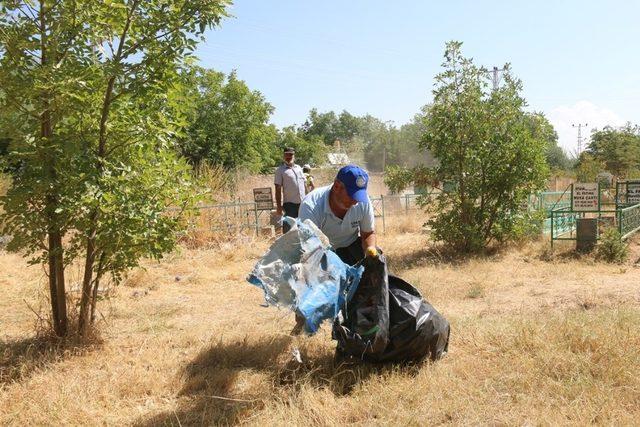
(563,117)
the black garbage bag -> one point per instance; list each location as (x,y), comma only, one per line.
(415,328)
(365,327)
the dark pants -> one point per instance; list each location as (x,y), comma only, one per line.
(353,253)
(290,209)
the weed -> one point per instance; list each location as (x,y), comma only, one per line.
(611,247)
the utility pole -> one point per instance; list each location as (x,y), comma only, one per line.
(496,76)
(389,124)
(580,139)
(384,157)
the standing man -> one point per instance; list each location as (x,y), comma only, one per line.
(289,182)
(343,212)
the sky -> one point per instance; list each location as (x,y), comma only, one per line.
(579,61)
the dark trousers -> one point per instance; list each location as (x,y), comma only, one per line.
(353,253)
(290,209)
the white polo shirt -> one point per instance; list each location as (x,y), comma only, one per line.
(292,181)
(341,232)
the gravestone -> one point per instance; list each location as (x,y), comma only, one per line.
(586,234)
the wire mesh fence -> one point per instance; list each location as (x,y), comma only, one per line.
(237,217)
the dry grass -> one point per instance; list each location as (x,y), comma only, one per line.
(395,225)
(214,224)
(216,182)
(213,227)
(4,184)
(186,342)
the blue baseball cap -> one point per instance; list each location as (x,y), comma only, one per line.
(355,180)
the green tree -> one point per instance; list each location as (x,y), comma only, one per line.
(5,137)
(407,150)
(618,149)
(4,146)
(485,146)
(541,128)
(588,167)
(379,142)
(311,150)
(323,125)
(93,82)
(395,146)
(228,122)
(397,178)
(348,126)
(331,126)
(10,126)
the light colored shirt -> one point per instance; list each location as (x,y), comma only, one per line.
(292,181)
(308,178)
(341,232)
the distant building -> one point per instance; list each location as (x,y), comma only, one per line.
(337,159)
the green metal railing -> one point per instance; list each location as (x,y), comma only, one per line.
(629,220)
(549,200)
(623,188)
(563,221)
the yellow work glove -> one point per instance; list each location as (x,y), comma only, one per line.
(372,252)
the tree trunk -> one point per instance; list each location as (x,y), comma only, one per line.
(87,299)
(96,286)
(83,322)
(54,234)
(56,252)
(58,309)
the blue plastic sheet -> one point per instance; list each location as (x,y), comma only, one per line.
(301,272)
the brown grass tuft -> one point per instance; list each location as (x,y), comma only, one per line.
(476,290)
(4,184)
(412,223)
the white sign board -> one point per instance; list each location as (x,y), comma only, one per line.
(633,192)
(585,196)
(263,198)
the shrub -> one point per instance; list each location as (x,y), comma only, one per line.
(612,248)
(488,150)
(398,178)
(527,226)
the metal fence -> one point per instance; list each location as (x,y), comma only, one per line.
(244,216)
(385,206)
(564,221)
(629,220)
(233,217)
(241,216)
(549,200)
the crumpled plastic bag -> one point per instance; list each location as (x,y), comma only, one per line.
(301,272)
